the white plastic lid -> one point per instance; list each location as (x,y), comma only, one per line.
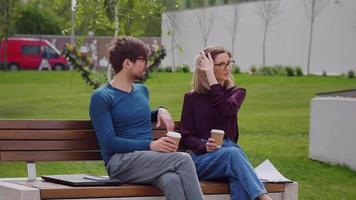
(217,131)
(173,134)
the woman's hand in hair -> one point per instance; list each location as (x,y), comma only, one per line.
(206,63)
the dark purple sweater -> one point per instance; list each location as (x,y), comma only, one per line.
(214,110)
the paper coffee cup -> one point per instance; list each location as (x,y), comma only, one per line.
(175,136)
(218,135)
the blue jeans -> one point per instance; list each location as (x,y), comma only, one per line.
(230,162)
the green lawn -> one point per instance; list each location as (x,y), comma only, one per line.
(274,121)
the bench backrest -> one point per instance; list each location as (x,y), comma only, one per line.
(73,140)
(52,140)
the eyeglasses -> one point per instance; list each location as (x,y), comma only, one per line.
(145,60)
(224,65)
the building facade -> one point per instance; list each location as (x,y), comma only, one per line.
(240,28)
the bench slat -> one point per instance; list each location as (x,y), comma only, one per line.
(53,124)
(48,155)
(156,134)
(47,135)
(53,190)
(58,134)
(92,192)
(45,124)
(68,145)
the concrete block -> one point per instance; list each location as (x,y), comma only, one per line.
(332,137)
(11,191)
(290,191)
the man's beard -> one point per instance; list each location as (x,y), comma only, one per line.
(139,78)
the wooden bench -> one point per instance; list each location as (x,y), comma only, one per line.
(74,140)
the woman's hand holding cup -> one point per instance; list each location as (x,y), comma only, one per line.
(211,145)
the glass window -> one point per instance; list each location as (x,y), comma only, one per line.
(30,50)
(50,53)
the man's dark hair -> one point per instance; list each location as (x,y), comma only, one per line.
(126,48)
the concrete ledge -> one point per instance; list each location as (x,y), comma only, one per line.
(207,197)
(274,196)
(11,191)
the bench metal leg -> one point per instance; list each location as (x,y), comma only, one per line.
(31,171)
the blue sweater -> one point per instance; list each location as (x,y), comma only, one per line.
(122,120)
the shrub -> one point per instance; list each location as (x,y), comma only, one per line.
(157,55)
(298,71)
(236,69)
(276,68)
(279,70)
(2,66)
(84,65)
(183,68)
(351,74)
(290,71)
(167,69)
(324,73)
(253,69)
(178,69)
(265,71)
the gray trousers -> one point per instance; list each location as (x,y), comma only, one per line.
(174,173)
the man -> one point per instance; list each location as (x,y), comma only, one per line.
(44,64)
(122,118)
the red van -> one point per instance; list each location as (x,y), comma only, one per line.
(27,53)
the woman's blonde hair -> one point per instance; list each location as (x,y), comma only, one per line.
(200,82)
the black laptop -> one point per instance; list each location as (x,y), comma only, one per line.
(81,180)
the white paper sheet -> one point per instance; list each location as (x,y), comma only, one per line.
(266,172)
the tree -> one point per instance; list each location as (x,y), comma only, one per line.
(205,23)
(6,8)
(150,22)
(90,17)
(172,24)
(267,11)
(233,28)
(353,23)
(136,18)
(313,8)
(5,17)
(33,20)
(133,17)
(112,11)
(60,9)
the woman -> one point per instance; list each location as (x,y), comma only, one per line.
(213,104)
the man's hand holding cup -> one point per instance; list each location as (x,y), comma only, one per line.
(166,144)
(174,136)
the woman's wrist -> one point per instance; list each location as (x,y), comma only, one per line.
(211,77)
